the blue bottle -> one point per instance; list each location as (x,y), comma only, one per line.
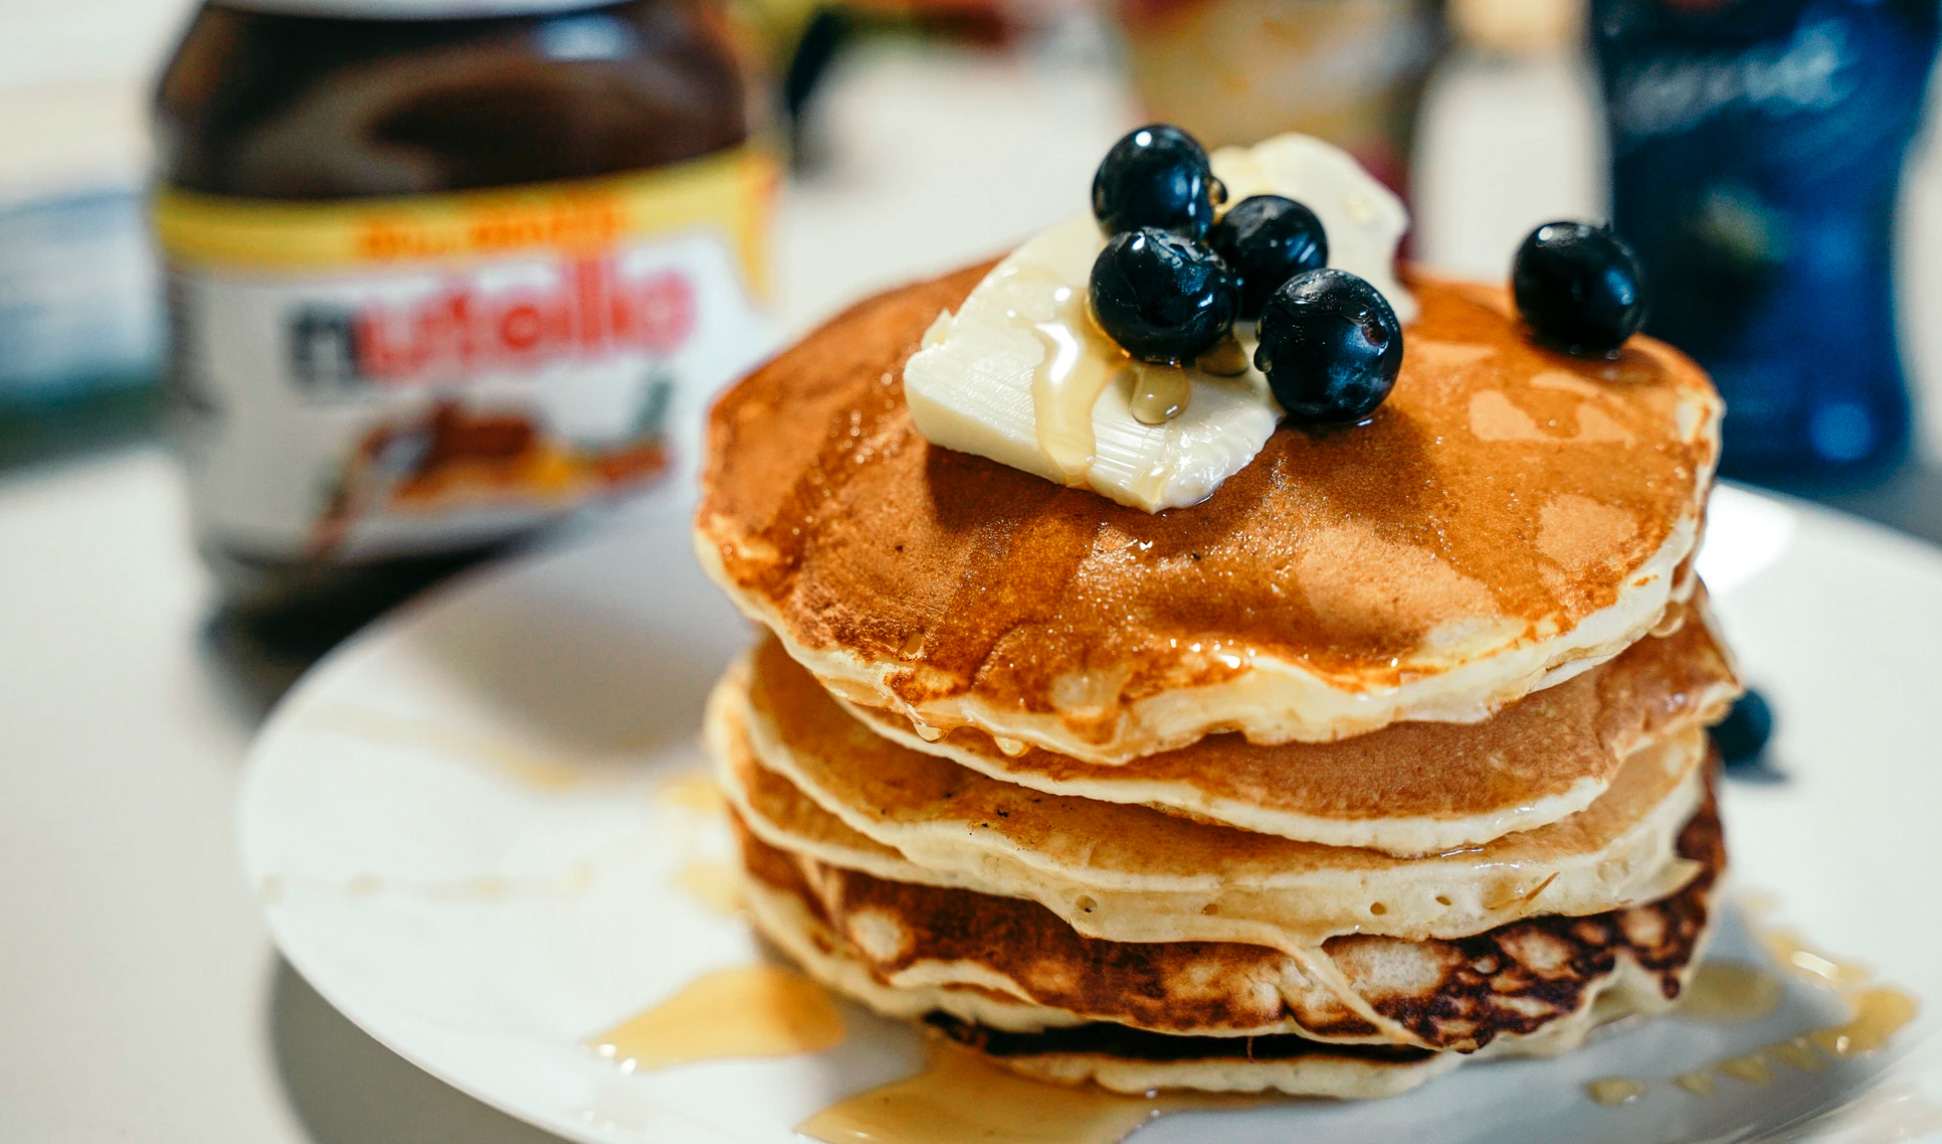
(1756,150)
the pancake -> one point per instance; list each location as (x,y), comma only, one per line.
(1135,1063)
(1101,1052)
(1410,788)
(812,780)
(1120,1060)
(1508,516)
(1012,966)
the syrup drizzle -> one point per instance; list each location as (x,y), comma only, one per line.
(1878,1013)
(747,1011)
(1615,1090)
(1227,358)
(958,1097)
(1786,948)
(1067,384)
(1159,394)
(1732,992)
(1729,992)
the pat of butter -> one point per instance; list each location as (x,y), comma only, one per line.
(1021,375)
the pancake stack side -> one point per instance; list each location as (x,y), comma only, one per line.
(1389,756)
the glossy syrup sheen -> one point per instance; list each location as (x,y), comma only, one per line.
(1734,992)
(1542,747)
(906,797)
(958,1098)
(1501,488)
(1079,363)
(744,1011)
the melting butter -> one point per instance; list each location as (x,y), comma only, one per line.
(959,1097)
(1022,375)
(748,1011)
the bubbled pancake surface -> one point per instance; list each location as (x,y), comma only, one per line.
(828,788)
(1410,788)
(1011,962)
(1435,562)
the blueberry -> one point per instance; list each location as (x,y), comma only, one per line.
(1156,176)
(1330,345)
(1162,297)
(1267,240)
(1579,286)
(1743,734)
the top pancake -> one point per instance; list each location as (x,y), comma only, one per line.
(1508,515)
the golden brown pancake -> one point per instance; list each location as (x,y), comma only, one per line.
(840,795)
(1507,514)
(1408,788)
(956,950)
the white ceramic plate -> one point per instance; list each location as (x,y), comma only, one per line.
(460,831)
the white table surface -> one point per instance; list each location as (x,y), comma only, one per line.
(139,996)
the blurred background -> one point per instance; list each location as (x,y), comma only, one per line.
(1752,153)
(1771,161)
(1757,151)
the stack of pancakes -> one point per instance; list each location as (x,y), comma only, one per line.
(1389,754)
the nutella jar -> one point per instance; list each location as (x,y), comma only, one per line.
(442,272)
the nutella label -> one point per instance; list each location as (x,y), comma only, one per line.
(379,377)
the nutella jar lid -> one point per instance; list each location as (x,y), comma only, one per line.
(412,9)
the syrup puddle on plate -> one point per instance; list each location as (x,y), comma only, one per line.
(1615,1090)
(747,1011)
(1729,991)
(959,1098)
(1726,992)
(767,1011)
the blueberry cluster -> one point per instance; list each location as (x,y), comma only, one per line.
(1177,273)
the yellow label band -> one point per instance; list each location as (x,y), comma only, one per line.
(731,191)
